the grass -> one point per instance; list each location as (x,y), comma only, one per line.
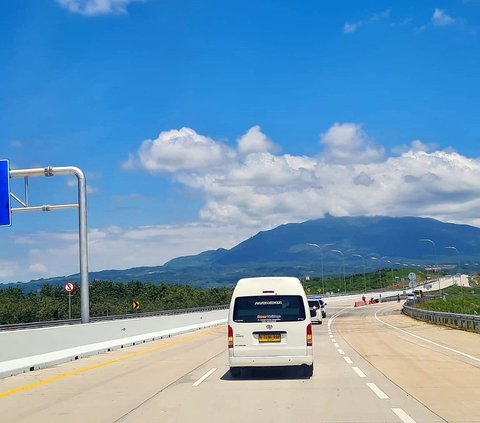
(468,305)
(456,301)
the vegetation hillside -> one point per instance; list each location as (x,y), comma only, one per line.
(106,298)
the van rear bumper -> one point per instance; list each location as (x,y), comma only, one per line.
(270,361)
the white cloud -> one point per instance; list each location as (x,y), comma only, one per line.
(267,170)
(96,7)
(73,183)
(350,28)
(8,269)
(38,269)
(440,18)
(416,145)
(348,143)
(180,150)
(255,141)
(351,176)
(363,179)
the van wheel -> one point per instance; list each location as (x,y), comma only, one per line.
(308,370)
(235,371)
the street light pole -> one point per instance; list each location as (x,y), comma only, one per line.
(311,244)
(406,272)
(379,270)
(399,271)
(391,269)
(460,276)
(436,260)
(343,260)
(364,268)
(455,249)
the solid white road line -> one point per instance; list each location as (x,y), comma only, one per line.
(348,360)
(425,339)
(199,381)
(340,351)
(378,392)
(359,372)
(404,417)
(331,319)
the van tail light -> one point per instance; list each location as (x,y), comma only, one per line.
(230,337)
(309,335)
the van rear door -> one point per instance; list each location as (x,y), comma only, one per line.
(269,325)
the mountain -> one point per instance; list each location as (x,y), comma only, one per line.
(284,250)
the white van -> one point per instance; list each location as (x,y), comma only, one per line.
(269,325)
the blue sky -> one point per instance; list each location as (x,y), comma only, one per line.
(200,123)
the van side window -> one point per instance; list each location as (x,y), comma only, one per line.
(269,308)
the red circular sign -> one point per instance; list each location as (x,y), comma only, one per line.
(69,287)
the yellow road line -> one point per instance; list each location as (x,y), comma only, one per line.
(98,365)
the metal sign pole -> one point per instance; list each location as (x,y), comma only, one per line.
(69,305)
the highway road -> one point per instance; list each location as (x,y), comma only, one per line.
(372,364)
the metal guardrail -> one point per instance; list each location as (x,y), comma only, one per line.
(51,323)
(462,321)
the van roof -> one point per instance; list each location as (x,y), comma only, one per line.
(275,284)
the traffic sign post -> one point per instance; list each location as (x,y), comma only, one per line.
(5,209)
(69,287)
(412,277)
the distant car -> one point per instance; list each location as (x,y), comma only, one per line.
(315,306)
(322,304)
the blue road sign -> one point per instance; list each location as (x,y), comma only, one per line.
(5,212)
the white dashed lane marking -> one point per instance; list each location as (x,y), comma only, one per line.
(199,381)
(378,392)
(359,372)
(404,417)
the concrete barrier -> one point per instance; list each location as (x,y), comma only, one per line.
(31,349)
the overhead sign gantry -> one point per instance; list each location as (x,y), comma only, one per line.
(6,211)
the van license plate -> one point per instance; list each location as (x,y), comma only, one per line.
(269,337)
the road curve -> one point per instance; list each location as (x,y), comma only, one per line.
(186,378)
(438,366)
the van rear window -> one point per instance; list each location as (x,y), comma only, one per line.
(269,308)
